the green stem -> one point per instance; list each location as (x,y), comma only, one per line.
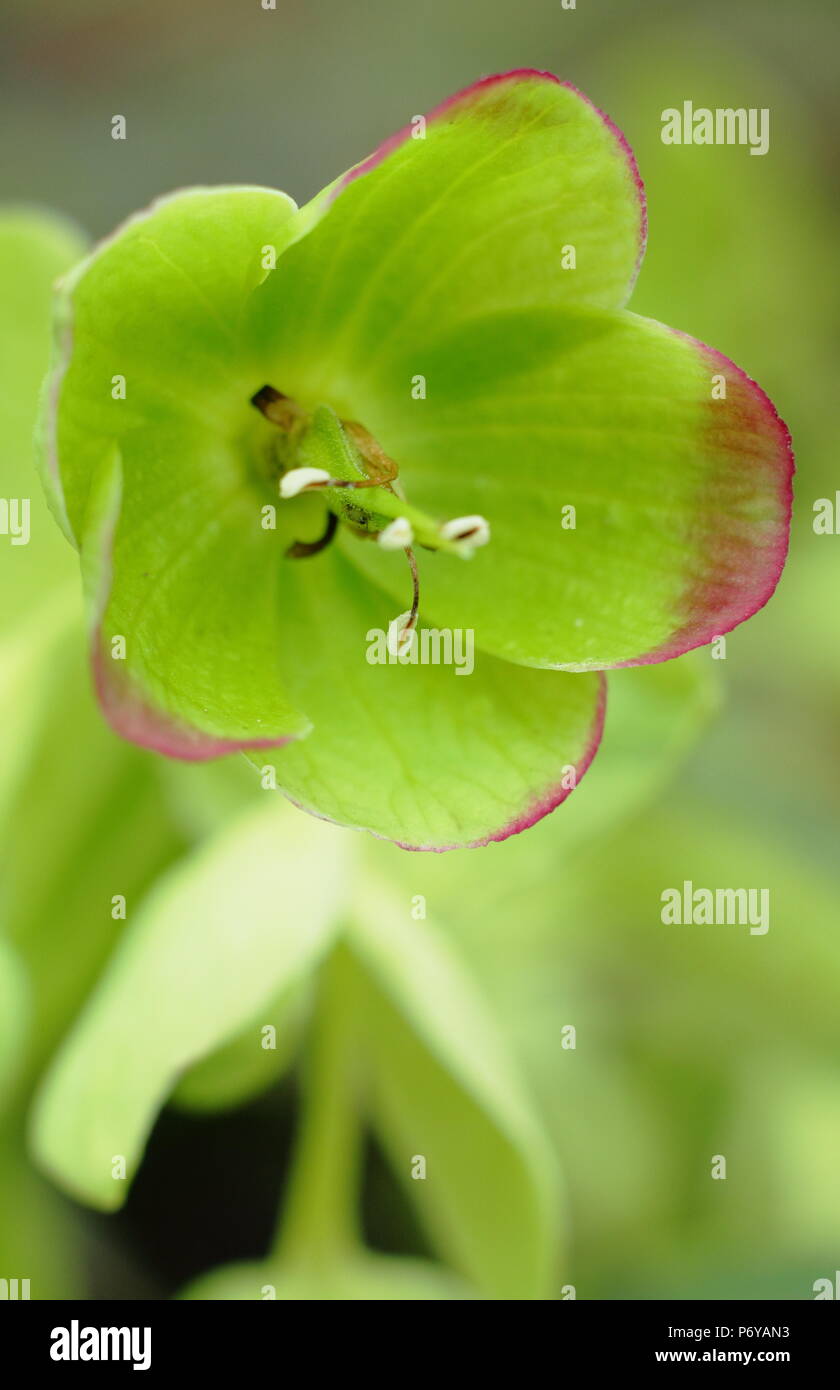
(319,1219)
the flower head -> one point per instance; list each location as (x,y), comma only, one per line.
(270,427)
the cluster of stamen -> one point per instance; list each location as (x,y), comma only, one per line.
(462,534)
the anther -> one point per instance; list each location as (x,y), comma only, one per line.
(400,634)
(314,479)
(472,530)
(279,409)
(303,480)
(397,535)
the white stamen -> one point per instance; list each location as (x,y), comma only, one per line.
(400,636)
(300,479)
(472,530)
(397,535)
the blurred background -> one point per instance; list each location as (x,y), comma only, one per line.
(691,1042)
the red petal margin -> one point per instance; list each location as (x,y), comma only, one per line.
(130,716)
(465,97)
(543,804)
(738,578)
(129,713)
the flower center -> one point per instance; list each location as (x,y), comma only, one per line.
(320,453)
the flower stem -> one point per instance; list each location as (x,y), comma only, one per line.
(319,1218)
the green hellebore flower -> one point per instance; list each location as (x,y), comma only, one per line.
(441,333)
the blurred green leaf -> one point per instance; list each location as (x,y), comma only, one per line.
(35,247)
(654,715)
(376,1278)
(29,655)
(94,801)
(216,938)
(38,1235)
(444,1088)
(755,985)
(736,219)
(202,797)
(243,1067)
(14,1014)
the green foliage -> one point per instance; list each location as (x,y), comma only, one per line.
(245,917)
(361,1277)
(244,1067)
(218,937)
(35,247)
(444,1090)
(14,1015)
